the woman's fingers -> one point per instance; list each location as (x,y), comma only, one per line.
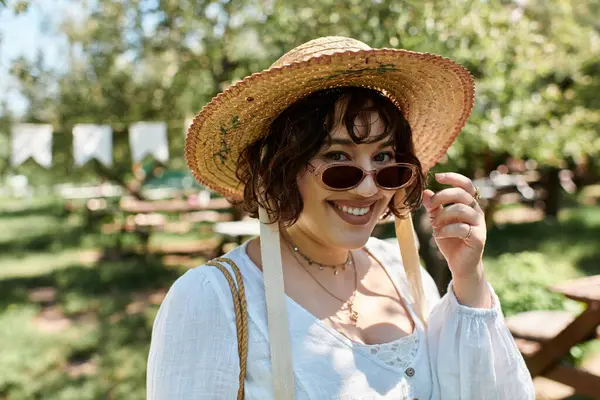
(449,196)
(457,230)
(432,211)
(455,213)
(458,180)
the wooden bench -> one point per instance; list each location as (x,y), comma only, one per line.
(173,206)
(235,231)
(159,223)
(555,333)
(144,217)
(540,326)
(207,216)
(537,331)
(203,247)
(177,253)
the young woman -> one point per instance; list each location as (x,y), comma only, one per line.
(320,146)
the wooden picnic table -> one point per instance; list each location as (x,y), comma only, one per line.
(545,358)
(248,227)
(144,217)
(174,206)
(585,289)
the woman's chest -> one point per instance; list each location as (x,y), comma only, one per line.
(327,366)
(382,313)
(375,312)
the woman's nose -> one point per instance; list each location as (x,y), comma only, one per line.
(367,188)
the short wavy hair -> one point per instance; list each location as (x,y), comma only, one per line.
(269,167)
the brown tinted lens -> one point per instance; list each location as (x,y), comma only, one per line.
(394,176)
(342,176)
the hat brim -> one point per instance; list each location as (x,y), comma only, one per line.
(434,93)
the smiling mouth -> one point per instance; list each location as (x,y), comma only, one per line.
(356,211)
(354,215)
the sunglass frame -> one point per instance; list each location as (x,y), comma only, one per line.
(320,170)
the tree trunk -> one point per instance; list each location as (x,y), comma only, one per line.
(551,182)
(133,188)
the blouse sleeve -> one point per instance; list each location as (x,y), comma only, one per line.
(472,353)
(193,352)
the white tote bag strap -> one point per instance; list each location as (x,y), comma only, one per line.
(279,334)
(410,258)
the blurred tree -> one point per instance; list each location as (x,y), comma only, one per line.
(536,66)
(17,6)
(129,61)
(5,123)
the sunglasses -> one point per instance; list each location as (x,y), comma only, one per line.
(340,176)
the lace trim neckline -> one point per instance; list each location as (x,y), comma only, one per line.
(398,354)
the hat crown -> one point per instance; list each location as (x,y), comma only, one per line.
(318,47)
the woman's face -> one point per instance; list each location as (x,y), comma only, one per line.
(327,215)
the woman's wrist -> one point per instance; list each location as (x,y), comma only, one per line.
(472,290)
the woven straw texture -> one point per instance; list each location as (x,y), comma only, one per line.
(434,93)
(240,307)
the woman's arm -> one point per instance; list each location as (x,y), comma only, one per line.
(193,353)
(472,353)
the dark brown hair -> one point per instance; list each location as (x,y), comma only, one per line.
(269,167)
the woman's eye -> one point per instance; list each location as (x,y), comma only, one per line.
(336,156)
(384,157)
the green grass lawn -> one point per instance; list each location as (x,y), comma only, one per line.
(90,339)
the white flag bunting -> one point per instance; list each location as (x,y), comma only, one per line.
(149,138)
(32,140)
(91,141)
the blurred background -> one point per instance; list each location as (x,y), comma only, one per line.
(99,215)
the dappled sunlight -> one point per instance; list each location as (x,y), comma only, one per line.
(99,218)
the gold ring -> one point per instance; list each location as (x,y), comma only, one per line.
(473,204)
(477,195)
(470,232)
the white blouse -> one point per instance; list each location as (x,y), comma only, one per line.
(465,353)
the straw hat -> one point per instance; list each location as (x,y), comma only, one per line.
(434,93)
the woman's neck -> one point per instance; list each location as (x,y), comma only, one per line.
(315,249)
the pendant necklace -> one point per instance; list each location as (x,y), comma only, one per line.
(350,262)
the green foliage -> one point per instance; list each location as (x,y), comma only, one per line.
(535,65)
(523,282)
(18,7)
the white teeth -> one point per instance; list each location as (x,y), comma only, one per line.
(354,211)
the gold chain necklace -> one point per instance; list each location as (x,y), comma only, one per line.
(321,266)
(350,301)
